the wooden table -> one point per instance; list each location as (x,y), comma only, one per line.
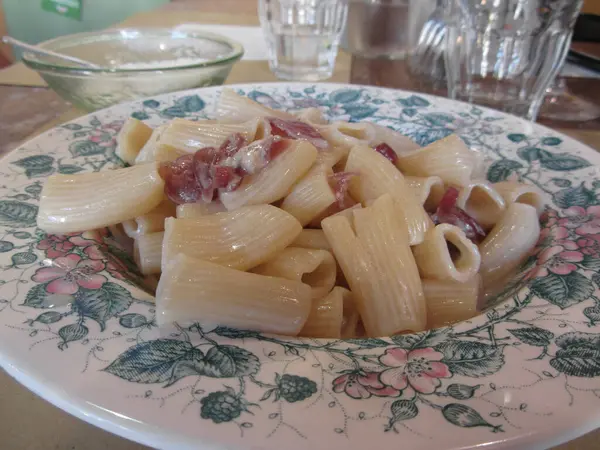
(28,422)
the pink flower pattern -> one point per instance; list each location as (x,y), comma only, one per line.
(68,273)
(590,246)
(555,236)
(584,221)
(556,260)
(363,385)
(413,371)
(56,245)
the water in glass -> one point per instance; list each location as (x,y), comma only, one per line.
(505,53)
(302,36)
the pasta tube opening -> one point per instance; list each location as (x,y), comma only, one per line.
(447,254)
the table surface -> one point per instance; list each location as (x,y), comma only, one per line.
(26,111)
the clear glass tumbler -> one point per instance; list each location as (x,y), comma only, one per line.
(302,36)
(506,53)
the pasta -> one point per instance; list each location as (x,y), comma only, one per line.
(344,134)
(429,190)
(436,261)
(241,239)
(311,196)
(378,176)
(234,108)
(88,201)
(398,142)
(449,302)
(151,222)
(380,269)
(481,202)
(190,136)
(195,210)
(326,316)
(316,268)
(130,140)
(276,180)
(147,252)
(285,223)
(449,158)
(314,239)
(513,192)
(508,244)
(192,290)
(314,116)
(351,317)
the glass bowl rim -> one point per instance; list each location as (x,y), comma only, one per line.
(237,51)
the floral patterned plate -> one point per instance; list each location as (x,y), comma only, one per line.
(81,332)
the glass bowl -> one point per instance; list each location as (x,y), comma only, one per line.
(134,63)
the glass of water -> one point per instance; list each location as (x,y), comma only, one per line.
(302,36)
(506,53)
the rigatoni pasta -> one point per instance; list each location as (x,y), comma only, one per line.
(147,252)
(316,268)
(380,269)
(377,177)
(449,158)
(192,290)
(241,239)
(130,140)
(94,200)
(508,244)
(286,223)
(447,254)
(449,302)
(276,180)
(514,192)
(326,316)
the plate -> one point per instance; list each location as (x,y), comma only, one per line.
(526,373)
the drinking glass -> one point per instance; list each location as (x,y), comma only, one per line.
(302,36)
(506,53)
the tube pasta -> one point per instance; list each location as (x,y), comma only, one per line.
(195,210)
(276,180)
(326,316)
(147,252)
(351,316)
(314,239)
(481,202)
(313,116)
(429,190)
(435,260)
(397,141)
(154,151)
(380,269)
(130,140)
(192,290)
(449,302)
(190,136)
(449,158)
(508,244)
(151,222)
(240,239)
(311,196)
(346,134)
(316,268)
(235,108)
(513,192)
(378,176)
(87,201)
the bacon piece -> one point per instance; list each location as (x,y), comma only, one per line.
(388,152)
(198,177)
(339,182)
(448,212)
(295,129)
